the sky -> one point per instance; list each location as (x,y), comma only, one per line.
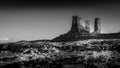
(33,20)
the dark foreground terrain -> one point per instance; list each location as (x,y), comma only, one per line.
(93,53)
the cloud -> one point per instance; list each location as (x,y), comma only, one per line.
(4,38)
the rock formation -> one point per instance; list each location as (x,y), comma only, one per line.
(74,24)
(97,26)
(80,30)
(80,25)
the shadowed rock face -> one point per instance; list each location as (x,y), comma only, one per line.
(97,26)
(74,24)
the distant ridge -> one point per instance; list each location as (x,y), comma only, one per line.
(44,40)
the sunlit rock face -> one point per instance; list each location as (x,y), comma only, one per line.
(83,25)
